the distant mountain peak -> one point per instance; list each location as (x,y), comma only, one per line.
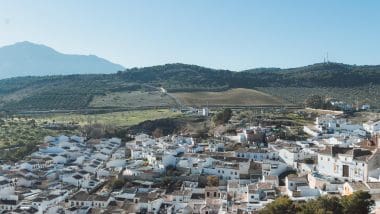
(31,59)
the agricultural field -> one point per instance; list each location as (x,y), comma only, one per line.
(365,94)
(19,136)
(125,118)
(234,97)
(132,99)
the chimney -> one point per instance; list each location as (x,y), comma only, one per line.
(334,150)
(356,152)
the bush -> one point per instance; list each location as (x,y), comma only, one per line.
(222,117)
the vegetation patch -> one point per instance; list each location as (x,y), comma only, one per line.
(125,118)
(19,136)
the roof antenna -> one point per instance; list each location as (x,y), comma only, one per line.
(327,57)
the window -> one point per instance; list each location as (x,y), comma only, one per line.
(252,196)
(208,194)
(214,194)
(291,184)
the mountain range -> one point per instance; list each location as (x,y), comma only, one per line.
(29,59)
(52,89)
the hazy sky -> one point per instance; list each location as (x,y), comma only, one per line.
(234,34)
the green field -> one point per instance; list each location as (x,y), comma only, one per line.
(19,136)
(125,118)
(132,99)
(234,97)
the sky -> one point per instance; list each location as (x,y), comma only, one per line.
(234,34)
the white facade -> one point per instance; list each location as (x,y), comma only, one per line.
(333,166)
(372,127)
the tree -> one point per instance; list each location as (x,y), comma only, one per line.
(94,130)
(315,101)
(282,205)
(322,205)
(117,184)
(222,117)
(359,202)
(157,133)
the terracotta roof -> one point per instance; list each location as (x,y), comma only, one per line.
(265,185)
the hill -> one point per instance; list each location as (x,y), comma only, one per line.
(181,77)
(29,59)
(345,82)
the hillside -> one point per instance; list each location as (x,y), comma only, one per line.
(181,77)
(345,82)
(29,59)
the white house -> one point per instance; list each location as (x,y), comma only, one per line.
(299,187)
(59,159)
(372,127)
(256,154)
(290,155)
(83,199)
(351,164)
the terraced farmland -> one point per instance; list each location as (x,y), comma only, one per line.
(232,97)
(132,99)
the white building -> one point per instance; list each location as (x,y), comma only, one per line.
(351,164)
(372,127)
(83,199)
